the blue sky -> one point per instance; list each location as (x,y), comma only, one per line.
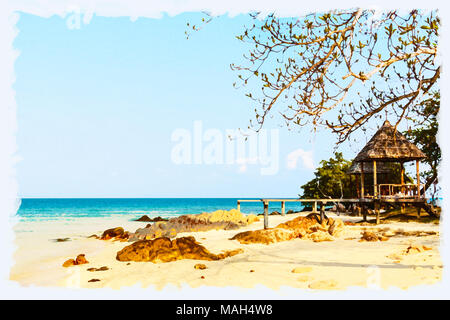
(97,107)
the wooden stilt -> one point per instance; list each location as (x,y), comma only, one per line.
(322,212)
(418,180)
(419,208)
(377,211)
(314,209)
(362,179)
(364,212)
(283,208)
(266,215)
(375,186)
(239,206)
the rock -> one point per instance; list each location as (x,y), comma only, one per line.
(290,212)
(301,227)
(372,236)
(301,270)
(146,218)
(69,263)
(320,236)
(98,269)
(115,233)
(265,236)
(217,220)
(61,240)
(80,259)
(274,213)
(323,285)
(94,280)
(200,266)
(165,250)
(202,277)
(94,236)
(252,270)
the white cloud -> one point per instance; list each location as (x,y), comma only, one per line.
(305,156)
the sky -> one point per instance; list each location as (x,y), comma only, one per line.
(104,105)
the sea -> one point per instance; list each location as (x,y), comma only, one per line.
(48,209)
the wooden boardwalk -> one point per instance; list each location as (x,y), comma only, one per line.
(419,202)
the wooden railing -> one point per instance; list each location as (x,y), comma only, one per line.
(393,190)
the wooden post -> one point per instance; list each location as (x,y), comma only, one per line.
(377,211)
(364,211)
(314,207)
(375,191)
(402,177)
(322,211)
(418,211)
(418,181)
(266,214)
(362,179)
(239,206)
(283,208)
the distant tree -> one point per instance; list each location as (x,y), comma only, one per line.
(331,180)
(424,136)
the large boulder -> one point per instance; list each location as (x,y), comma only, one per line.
(166,250)
(302,227)
(265,236)
(217,220)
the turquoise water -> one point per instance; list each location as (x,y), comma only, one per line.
(55,209)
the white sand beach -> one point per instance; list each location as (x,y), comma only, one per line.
(335,265)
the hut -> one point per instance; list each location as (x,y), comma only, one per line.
(388,148)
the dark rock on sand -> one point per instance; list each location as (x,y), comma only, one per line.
(115,233)
(166,250)
(94,280)
(146,218)
(61,239)
(98,269)
(80,259)
(200,266)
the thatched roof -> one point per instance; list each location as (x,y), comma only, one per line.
(389,145)
(382,167)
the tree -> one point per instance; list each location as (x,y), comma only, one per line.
(314,68)
(331,180)
(424,136)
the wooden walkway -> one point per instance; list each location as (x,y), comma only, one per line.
(420,202)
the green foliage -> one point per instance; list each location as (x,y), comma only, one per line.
(424,135)
(331,180)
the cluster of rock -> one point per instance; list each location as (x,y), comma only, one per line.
(308,227)
(217,220)
(146,218)
(80,259)
(166,250)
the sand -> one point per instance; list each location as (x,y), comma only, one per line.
(332,265)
